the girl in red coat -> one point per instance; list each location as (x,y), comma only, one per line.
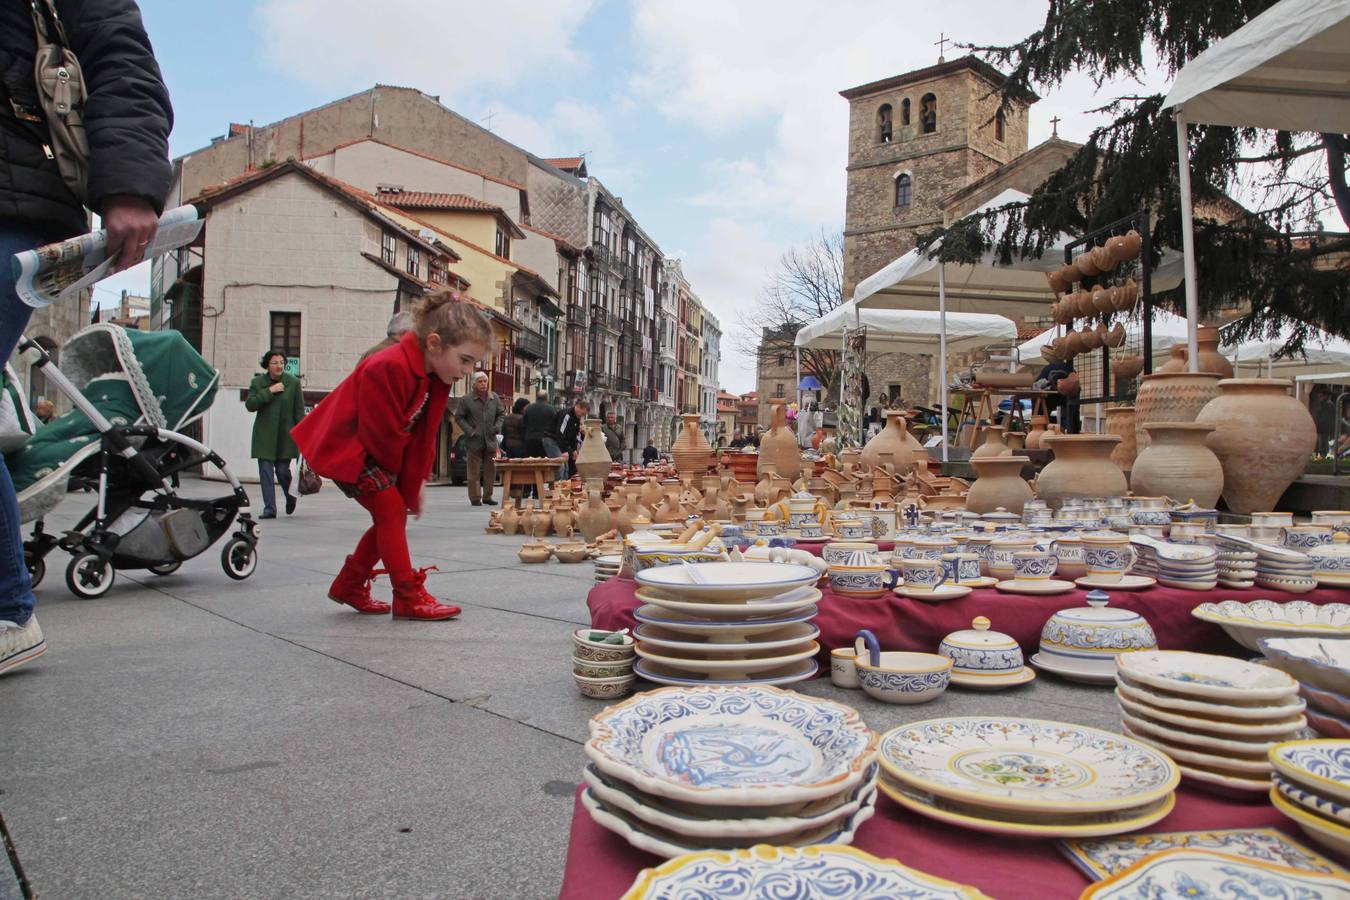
(375,437)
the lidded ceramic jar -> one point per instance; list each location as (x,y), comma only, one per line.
(982,658)
(1086,640)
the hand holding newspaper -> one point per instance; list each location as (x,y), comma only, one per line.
(57,271)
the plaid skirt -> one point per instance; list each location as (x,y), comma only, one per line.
(374,478)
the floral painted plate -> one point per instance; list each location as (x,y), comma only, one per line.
(674,742)
(765,871)
(1323,765)
(1104,857)
(1188,872)
(1206,676)
(1026,764)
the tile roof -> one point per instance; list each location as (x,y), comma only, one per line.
(429,200)
(565,162)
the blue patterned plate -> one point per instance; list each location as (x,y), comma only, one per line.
(1102,857)
(1204,873)
(763,872)
(1323,765)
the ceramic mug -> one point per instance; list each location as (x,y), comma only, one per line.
(1033,565)
(843,671)
(810,529)
(1001,556)
(924,575)
(765,528)
(862,581)
(1186,532)
(836,552)
(1108,560)
(962,568)
(930,548)
(1305,537)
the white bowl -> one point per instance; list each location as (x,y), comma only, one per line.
(903,677)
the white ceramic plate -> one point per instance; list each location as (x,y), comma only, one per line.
(1048,586)
(656,636)
(1324,831)
(1203,873)
(757,609)
(1224,783)
(1240,766)
(1227,711)
(790,674)
(1206,676)
(724,628)
(945,592)
(1125,583)
(1063,669)
(1320,662)
(1253,749)
(751,659)
(1031,765)
(728,581)
(1323,765)
(1311,801)
(1280,730)
(1104,857)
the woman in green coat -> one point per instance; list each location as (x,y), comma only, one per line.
(276,397)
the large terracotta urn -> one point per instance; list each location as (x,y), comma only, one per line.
(1120,420)
(1082,467)
(1171,397)
(992,444)
(1178,464)
(593,461)
(593,519)
(894,439)
(691,451)
(1263,438)
(778,448)
(1000,483)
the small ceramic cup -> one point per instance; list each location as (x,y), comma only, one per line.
(924,575)
(810,530)
(843,672)
(1305,537)
(962,568)
(851,528)
(1107,559)
(930,548)
(765,528)
(835,552)
(862,581)
(1033,565)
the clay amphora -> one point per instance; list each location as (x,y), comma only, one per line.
(540,522)
(593,519)
(1171,397)
(1263,438)
(631,510)
(1177,464)
(1000,483)
(1176,362)
(510,520)
(691,451)
(992,445)
(778,447)
(669,511)
(894,439)
(1036,432)
(650,495)
(1082,467)
(593,460)
(563,520)
(1120,420)
(1208,357)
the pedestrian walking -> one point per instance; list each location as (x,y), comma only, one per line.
(538,423)
(275,396)
(613,440)
(125,109)
(513,430)
(375,437)
(479,416)
(650,454)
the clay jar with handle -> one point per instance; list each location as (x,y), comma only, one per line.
(992,445)
(1000,484)
(778,447)
(1082,467)
(1208,357)
(691,450)
(650,495)
(624,519)
(1120,420)
(593,459)
(1036,432)
(593,519)
(1263,438)
(1171,397)
(1177,464)
(894,439)
(1176,361)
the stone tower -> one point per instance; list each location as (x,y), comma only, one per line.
(914,140)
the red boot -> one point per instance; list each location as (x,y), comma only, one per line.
(411,600)
(352,588)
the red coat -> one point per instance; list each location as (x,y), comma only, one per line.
(368,415)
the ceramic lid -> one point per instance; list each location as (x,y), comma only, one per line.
(1000,514)
(1097,612)
(979,636)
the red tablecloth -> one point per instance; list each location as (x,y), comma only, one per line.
(904,624)
(601,865)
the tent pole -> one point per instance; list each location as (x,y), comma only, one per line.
(799,379)
(942,353)
(1187,244)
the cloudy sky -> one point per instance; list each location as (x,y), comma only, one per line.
(719,123)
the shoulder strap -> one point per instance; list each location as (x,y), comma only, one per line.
(48,23)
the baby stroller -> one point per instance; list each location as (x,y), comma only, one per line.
(132,392)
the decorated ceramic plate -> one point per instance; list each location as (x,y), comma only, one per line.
(1187,872)
(1323,806)
(1326,701)
(1249,622)
(723,581)
(750,659)
(791,673)
(1323,765)
(765,871)
(1103,857)
(1027,824)
(1252,749)
(1064,668)
(1224,782)
(1206,676)
(1318,661)
(1026,764)
(1239,765)
(1278,711)
(1324,831)
(723,628)
(787,636)
(758,609)
(1279,729)
(674,743)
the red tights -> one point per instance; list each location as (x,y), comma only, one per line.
(387,539)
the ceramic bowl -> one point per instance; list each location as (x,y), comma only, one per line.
(836,552)
(1088,639)
(1321,663)
(1247,623)
(862,581)
(587,668)
(673,554)
(899,676)
(598,651)
(605,688)
(727,582)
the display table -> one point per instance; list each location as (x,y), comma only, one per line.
(602,866)
(901,623)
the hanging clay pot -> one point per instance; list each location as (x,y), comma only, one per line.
(1085,266)
(1120,420)
(510,520)
(1171,397)
(1000,484)
(1116,337)
(991,444)
(691,451)
(1177,464)
(1101,300)
(1134,242)
(1069,386)
(1117,245)
(593,519)
(1036,432)
(778,447)
(1090,339)
(894,439)
(630,511)
(1103,259)
(650,495)
(1068,273)
(1208,357)
(1125,368)
(1263,438)
(1057,283)
(1082,467)
(1083,304)
(593,459)
(1103,334)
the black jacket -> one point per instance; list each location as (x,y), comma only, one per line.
(567,430)
(127,116)
(513,434)
(539,421)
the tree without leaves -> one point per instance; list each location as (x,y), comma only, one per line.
(1273,256)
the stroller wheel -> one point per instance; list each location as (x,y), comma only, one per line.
(89,576)
(167,568)
(37,567)
(239,558)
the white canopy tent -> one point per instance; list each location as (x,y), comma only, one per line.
(905,330)
(1288,69)
(1322,354)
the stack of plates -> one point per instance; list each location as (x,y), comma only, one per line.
(1216,716)
(679,770)
(1277,568)
(1237,568)
(1026,777)
(1312,787)
(1322,667)
(727,623)
(1192,567)
(607,567)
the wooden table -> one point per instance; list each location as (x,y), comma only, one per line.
(537,470)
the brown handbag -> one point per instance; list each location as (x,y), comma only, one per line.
(61,93)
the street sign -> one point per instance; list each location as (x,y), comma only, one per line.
(292,366)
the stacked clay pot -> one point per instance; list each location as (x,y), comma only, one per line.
(1263,438)
(1171,397)
(691,450)
(1178,464)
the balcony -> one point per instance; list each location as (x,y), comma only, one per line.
(576,314)
(503,384)
(623,385)
(532,344)
(602,381)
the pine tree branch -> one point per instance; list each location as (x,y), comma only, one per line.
(1336,148)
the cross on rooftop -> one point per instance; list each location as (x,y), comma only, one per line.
(488,119)
(1054,127)
(942,43)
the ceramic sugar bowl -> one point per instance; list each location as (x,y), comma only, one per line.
(1082,643)
(984,659)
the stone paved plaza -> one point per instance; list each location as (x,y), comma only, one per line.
(191,736)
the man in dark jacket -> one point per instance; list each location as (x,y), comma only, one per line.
(539,417)
(567,430)
(127,119)
(613,440)
(480,416)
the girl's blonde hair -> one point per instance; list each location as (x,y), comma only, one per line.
(455,320)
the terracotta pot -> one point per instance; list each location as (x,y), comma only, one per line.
(1126,367)
(1057,282)
(1120,420)
(1103,259)
(669,510)
(630,511)
(1085,266)
(1134,242)
(1073,343)
(1069,386)
(541,521)
(992,443)
(1062,311)
(594,518)
(1117,244)
(1083,303)
(1036,432)
(593,460)
(894,439)
(1101,300)
(1014,440)
(563,519)
(1171,397)
(1116,336)
(1128,294)
(1263,438)
(510,520)
(1176,361)
(778,447)
(1000,483)
(1177,464)
(691,451)
(1208,357)
(1104,335)
(1050,353)
(1082,467)
(651,494)
(1090,340)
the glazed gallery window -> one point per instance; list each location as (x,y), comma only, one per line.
(503,244)
(778,390)
(286,333)
(904,190)
(389,248)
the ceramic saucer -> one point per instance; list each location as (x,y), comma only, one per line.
(1126,583)
(1071,674)
(1189,585)
(812,540)
(1048,586)
(995,682)
(944,592)
(984,581)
